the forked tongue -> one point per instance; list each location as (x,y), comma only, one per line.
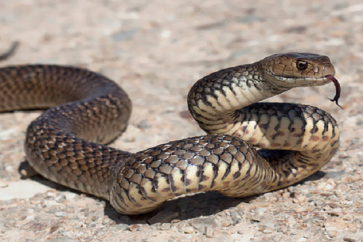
(337,90)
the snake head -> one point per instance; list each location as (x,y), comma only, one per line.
(300,70)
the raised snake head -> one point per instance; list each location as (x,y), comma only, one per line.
(294,69)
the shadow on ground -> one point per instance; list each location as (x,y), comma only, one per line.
(183,208)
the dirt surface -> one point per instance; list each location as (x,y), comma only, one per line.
(156,50)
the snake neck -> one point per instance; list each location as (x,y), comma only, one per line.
(215,100)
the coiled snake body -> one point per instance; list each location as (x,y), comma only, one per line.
(65,144)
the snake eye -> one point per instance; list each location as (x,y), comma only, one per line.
(301,65)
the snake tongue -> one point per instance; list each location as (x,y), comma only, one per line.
(337,89)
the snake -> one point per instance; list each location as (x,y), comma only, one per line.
(250,147)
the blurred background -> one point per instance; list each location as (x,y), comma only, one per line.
(157,49)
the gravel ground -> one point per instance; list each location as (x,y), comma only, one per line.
(156,50)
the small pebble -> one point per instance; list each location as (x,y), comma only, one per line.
(9,168)
(122,227)
(332,233)
(134,227)
(267,231)
(60,198)
(260,211)
(349,239)
(123,35)
(144,124)
(129,140)
(188,230)
(51,194)
(164,226)
(59,214)
(209,232)
(326,186)
(3,184)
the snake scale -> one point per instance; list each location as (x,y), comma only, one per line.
(66,143)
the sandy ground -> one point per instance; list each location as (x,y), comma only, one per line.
(156,50)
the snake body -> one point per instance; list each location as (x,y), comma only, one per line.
(66,143)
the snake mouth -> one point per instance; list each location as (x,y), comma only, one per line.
(294,81)
(299,81)
(337,89)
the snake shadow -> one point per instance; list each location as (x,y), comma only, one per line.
(182,208)
(193,206)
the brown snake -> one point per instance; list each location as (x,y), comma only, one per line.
(65,144)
